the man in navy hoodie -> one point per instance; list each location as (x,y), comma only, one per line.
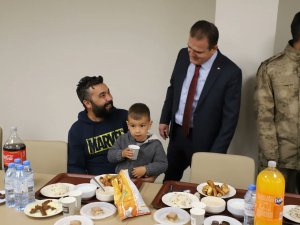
(95,131)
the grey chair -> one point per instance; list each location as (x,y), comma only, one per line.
(235,170)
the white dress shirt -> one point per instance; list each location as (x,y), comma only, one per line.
(203,73)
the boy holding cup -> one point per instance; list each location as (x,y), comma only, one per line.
(137,150)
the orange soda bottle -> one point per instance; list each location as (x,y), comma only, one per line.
(270,186)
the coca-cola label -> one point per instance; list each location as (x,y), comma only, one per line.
(10,156)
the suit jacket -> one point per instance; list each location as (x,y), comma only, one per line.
(216,114)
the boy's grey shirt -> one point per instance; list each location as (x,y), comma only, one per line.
(151,155)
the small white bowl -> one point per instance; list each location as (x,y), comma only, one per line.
(88,190)
(236,206)
(214,204)
(106,196)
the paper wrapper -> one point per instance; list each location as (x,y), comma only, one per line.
(127,197)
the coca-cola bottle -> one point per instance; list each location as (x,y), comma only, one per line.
(13,148)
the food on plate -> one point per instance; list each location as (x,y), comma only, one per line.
(75,222)
(42,208)
(222,223)
(172,217)
(180,200)
(295,212)
(211,189)
(58,189)
(2,196)
(95,211)
(106,179)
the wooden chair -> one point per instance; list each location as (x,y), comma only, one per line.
(47,156)
(235,170)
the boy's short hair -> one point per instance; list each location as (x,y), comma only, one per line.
(138,110)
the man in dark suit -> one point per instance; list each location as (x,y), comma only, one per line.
(202,102)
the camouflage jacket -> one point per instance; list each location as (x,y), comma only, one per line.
(277,106)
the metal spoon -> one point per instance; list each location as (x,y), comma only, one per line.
(94,179)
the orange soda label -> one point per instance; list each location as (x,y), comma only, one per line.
(269,207)
(10,156)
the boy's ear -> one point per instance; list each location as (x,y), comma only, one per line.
(127,122)
(151,123)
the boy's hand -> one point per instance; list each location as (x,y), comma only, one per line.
(127,153)
(139,172)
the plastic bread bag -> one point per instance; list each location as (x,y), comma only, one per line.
(127,197)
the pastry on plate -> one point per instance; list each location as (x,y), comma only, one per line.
(95,211)
(172,217)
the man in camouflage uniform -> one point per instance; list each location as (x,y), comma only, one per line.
(277,100)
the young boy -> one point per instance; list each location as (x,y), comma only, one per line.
(151,160)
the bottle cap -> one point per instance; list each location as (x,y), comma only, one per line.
(251,187)
(11,165)
(26,163)
(20,167)
(13,128)
(17,160)
(272,164)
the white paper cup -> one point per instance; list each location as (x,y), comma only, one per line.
(197,216)
(135,149)
(68,205)
(200,205)
(76,194)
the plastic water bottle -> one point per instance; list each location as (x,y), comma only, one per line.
(17,162)
(9,185)
(21,191)
(29,180)
(249,198)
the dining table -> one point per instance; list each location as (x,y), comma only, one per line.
(150,192)
(9,216)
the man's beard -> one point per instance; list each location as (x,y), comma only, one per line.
(101,111)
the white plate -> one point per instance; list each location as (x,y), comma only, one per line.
(55,203)
(231,192)
(287,209)
(160,215)
(98,178)
(57,190)
(176,199)
(109,210)
(2,192)
(68,219)
(228,219)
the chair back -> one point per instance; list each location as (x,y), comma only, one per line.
(235,170)
(1,137)
(48,157)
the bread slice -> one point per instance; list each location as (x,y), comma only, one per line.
(172,217)
(96,211)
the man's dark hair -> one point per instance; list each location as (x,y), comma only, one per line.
(138,110)
(295,27)
(84,84)
(204,29)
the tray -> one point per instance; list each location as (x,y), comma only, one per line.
(76,179)
(169,186)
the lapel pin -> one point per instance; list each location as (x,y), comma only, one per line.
(218,68)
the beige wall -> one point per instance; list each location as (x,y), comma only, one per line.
(47,46)
(286,11)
